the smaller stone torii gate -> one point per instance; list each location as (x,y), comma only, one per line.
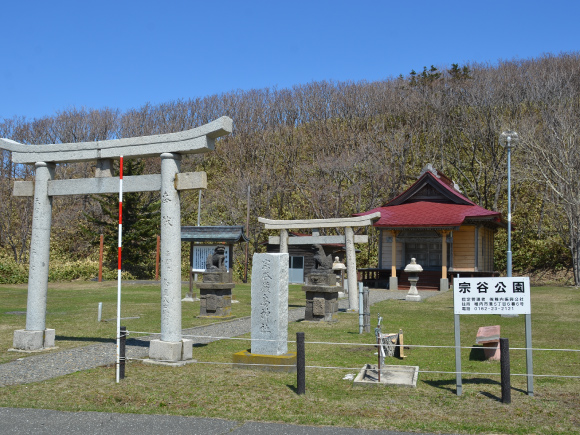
(349,239)
(170,147)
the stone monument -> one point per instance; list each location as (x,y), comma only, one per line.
(215,292)
(269,316)
(321,290)
(413,270)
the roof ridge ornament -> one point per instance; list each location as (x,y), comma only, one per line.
(429,168)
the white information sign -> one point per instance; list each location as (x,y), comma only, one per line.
(200,254)
(484,295)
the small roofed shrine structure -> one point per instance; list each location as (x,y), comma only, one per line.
(433,222)
(203,241)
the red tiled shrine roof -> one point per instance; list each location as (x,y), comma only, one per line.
(432,202)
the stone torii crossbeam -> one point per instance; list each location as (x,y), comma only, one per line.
(170,147)
(349,239)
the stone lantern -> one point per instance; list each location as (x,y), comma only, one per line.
(339,269)
(413,269)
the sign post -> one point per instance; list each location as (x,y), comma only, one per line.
(493,295)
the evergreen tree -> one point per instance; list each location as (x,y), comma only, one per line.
(141,224)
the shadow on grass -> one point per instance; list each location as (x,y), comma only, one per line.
(293,388)
(450,385)
(137,342)
(477,354)
(89,339)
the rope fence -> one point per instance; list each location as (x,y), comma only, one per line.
(216,338)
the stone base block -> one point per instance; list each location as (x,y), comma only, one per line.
(275,363)
(321,279)
(393,283)
(491,351)
(218,276)
(170,351)
(321,306)
(443,284)
(413,298)
(33,340)
(215,302)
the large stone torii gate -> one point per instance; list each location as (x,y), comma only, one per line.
(349,239)
(170,147)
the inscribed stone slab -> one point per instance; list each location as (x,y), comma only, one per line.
(270,304)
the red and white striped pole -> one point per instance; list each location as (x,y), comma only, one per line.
(119,269)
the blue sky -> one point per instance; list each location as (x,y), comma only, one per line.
(122,54)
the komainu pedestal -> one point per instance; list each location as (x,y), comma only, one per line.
(321,297)
(215,294)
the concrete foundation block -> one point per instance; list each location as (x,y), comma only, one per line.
(28,340)
(443,284)
(166,350)
(272,363)
(393,283)
(49,337)
(187,349)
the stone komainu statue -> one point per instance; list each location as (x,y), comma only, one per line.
(322,262)
(216,261)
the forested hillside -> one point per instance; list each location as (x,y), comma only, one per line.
(329,149)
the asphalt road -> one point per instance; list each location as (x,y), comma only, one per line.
(23,421)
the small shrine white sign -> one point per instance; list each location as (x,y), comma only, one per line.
(487,295)
(200,254)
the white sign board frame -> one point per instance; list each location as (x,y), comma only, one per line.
(492,295)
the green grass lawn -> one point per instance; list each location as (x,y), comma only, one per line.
(212,388)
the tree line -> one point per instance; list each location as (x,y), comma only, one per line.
(329,149)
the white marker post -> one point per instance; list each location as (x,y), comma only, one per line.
(119,268)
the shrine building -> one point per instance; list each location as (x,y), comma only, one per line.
(433,222)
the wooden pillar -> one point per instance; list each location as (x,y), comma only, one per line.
(444,253)
(444,283)
(394,254)
(393,280)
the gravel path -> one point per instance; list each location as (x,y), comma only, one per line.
(42,366)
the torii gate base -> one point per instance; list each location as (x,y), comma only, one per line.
(33,341)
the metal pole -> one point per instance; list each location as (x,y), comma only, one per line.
(509,247)
(300,364)
(247,235)
(360,308)
(379,354)
(101,247)
(123,335)
(504,348)
(119,263)
(367,311)
(529,361)
(457,355)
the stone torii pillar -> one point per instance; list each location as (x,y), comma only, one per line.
(170,147)
(349,239)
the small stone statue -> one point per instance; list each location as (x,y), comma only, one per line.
(322,262)
(216,261)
